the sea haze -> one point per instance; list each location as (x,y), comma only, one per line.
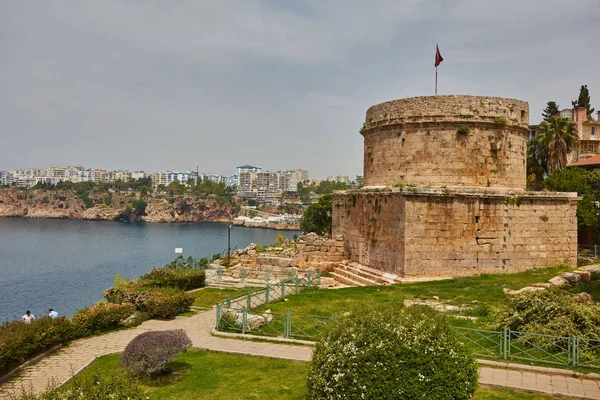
(66,264)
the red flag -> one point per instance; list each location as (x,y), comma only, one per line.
(438,56)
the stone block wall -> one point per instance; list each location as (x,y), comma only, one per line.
(441,232)
(318,252)
(415,142)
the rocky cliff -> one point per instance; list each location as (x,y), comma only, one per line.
(125,205)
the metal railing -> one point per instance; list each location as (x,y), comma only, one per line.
(233,314)
(532,347)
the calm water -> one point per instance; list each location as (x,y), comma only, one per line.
(66,264)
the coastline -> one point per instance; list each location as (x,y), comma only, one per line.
(280,226)
(122,206)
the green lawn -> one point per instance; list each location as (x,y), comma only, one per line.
(208,297)
(214,375)
(480,295)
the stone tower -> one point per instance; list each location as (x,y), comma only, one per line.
(445,192)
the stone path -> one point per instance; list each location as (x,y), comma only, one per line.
(66,362)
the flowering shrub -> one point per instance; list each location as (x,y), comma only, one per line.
(159,302)
(162,304)
(181,278)
(550,312)
(20,342)
(131,293)
(385,352)
(100,317)
(149,352)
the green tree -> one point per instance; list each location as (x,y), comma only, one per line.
(584,101)
(555,140)
(360,181)
(586,184)
(317,217)
(550,110)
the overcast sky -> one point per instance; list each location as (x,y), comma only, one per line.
(283,84)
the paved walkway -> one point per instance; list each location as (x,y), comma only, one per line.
(66,362)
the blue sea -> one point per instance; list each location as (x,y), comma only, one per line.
(66,264)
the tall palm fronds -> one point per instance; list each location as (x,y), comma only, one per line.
(555,140)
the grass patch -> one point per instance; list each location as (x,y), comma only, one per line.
(207,298)
(592,288)
(480,295)
(215,375)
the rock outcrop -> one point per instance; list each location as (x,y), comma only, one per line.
(112,206)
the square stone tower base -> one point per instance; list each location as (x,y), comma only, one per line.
(447,232)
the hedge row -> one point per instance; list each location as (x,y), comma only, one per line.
(20,342)
(180,278)
(158,302)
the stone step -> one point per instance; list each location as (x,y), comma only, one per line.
(352,275)
(375,277)
(386,276)
(344,280)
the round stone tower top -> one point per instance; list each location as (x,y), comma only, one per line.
(441,141)
(449,108)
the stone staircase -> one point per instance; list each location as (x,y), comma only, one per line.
(355,274)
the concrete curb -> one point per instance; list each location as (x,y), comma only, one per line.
(541,370)
(229,335)
(534,391)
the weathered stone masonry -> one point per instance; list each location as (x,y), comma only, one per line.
(440,203)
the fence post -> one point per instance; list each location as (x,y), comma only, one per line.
(318,277)
(218,316)
(249,301)
(505,342)
(243,275)
(287,327)
(219,273)
(228,301)
(296,284)
(575,348)
(267,294)
(266,276)
(244,320)
(282,289)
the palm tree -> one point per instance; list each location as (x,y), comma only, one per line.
(556,139)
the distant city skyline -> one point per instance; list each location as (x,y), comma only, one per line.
(232,171)
(178,84)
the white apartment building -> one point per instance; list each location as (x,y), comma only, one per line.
(252,182)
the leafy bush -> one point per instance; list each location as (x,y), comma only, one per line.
(148,353)
(390,352)
(184,279)
(101,317)
(162,304)
(96,387)
(159,302)
(20,342)
(550,312)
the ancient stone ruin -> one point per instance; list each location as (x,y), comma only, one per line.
(445,192)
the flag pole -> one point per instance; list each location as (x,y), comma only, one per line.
(436,72)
